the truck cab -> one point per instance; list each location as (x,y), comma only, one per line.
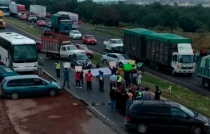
(66,51)
(183,61)
(2,22)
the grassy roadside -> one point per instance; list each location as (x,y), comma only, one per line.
(179,94)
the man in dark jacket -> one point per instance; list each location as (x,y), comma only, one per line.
(112,94)
(113,70)
(157,93)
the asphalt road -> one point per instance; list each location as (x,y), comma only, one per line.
(94,95)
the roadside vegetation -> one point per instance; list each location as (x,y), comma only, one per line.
(180,94)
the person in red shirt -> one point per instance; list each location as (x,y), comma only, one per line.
(88,77)
(77,78)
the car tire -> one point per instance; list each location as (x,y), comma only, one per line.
(142,128)
(52,92)
(196,130)
(14,95)
(105,61)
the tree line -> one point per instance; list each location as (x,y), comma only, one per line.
(155,16)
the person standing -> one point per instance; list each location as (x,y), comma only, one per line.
(157,93)
(77,78)
(41,66)
(88,77)
(146,94)
(113,78)
(112,94)
(101,81)
(120,70)
(119,79)
(97,65)
(66,78)
(113,70)
(81,77)
(139,94)
(127,78)
(134,78)
(57,69)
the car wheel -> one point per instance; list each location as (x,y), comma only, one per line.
(142,128)
(52,92)
(196,130)
(105,61)
(14,95)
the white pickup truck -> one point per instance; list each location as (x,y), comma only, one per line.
(113,45)
(58,48)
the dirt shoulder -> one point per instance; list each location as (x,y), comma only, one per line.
(62,114)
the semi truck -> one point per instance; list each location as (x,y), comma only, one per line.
(162,50)
(38,10)
(2,22)
(16,9)
(5,2)
(73,17)
(58,46)
(202,69)
(61,23)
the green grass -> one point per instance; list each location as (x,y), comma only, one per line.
(182,95)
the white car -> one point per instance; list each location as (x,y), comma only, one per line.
(75,34)
(32,18)
(113,44)
(119,58)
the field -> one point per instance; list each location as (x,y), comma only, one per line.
(179,94)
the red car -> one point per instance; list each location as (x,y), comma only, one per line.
(39,46)
(89,39)
(41,23)
(48,15)
(88,52)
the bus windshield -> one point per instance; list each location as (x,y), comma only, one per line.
(25,53)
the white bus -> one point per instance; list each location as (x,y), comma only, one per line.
(73,17)
(18,52)
(5,10)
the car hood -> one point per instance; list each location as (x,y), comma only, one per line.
(55,84)
(77,34)
(202,118)
(91,39)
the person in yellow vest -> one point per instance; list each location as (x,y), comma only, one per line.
(57,68)
(120,70)
(119,79)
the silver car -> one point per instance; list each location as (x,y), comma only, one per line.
(119,58)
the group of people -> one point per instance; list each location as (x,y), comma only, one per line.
(123,92)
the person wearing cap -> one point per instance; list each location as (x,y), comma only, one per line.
(40,66)
(88,77)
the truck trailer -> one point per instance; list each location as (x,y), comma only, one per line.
(58,46)
(73,17)
(61,23)
(16,9)
(38,10)
(162,50)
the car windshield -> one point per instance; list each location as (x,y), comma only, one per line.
(90,37)
(117,41)
(25,53)
(123,57)
(185,58)
(6,70)
(71,48)
(187,111)
(82,56)
(76,32)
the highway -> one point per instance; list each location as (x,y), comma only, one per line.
(193,83)
(95,96)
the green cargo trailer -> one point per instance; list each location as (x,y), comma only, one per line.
(161,46)
(135,42)
(203,69)
(61,23)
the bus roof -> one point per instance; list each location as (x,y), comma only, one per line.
(16,39)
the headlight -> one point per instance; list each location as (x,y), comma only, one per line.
(206,124)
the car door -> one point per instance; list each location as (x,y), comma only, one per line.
(179,120)
(109,57)
(109,45)
(39,86)
(159,117)
(27,86)
(115,58)
(63,52)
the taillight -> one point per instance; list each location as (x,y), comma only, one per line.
(127,118)
(3,90)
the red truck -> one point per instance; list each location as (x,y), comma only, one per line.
(16,9)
